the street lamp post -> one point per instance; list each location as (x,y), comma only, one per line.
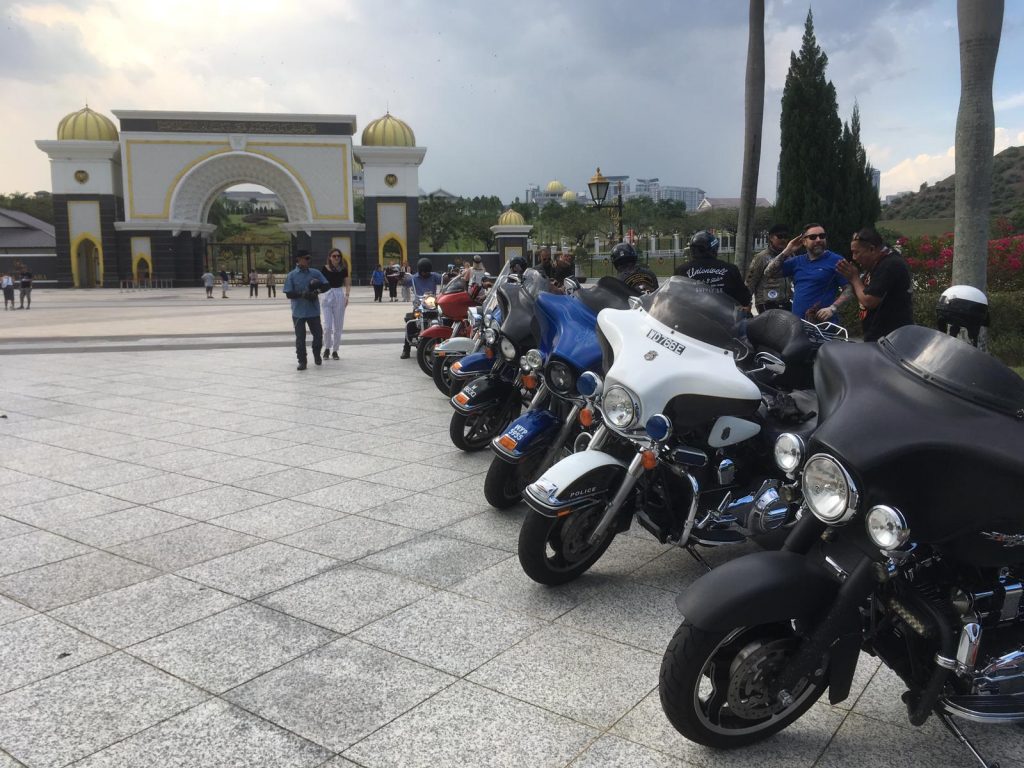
(598,186)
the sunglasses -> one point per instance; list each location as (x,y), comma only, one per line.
(816,236)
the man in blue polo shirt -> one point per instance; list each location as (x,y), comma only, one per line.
(818,288)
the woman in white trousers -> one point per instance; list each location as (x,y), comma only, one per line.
(335,301)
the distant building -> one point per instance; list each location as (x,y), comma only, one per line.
(876,179)
(728,202)
(261,202)
(27,241)
(889,199)
(655,190)
(439,194)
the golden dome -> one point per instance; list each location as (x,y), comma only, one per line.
(555,187)
(86,125)
(569,196)
(511,217)
(388,131)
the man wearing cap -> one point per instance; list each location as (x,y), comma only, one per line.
(770,292)
(304,286)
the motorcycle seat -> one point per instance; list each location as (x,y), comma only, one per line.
(782,332)
(609,293)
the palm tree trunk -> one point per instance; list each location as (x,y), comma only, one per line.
(980,24)
(753,110)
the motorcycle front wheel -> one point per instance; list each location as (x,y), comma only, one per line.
(474,432)
(714,685)
(425,354)
(441,374)
(504,484)
(554,551)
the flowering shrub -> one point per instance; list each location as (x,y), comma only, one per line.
(930,259)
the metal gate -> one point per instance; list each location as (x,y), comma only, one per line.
(240,258)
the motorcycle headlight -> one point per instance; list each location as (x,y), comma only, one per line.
(887,527)
(560,378)
(490,337)
(829,490)
(620,407)
(534,359)
(508,349)
(789,452)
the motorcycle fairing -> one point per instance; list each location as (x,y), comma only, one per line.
(529,433)
(481,393)
(658,364)
(576,478)
(567,329)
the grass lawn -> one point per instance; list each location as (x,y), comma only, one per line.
(269,232)
(918,227)
(1020,371)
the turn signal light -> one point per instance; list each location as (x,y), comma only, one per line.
(438,353)
(529,381)
(649,460)
(489,352)
(586,417)
(462,398)
(507,443)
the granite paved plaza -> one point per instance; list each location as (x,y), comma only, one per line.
(210,559)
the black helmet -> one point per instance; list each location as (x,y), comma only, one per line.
(518,264)
(424,265)
(703,245)
(623,255)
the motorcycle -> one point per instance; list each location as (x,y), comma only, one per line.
(688,420)
(910,547)
(487,403)
(453,304)
(568,347)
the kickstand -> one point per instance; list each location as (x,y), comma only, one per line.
(697,556)
(959,735)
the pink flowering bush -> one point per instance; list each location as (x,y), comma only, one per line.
(930,259)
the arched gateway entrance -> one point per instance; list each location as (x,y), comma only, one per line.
(137,200)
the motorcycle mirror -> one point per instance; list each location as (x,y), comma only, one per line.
(770,363)
(634,302)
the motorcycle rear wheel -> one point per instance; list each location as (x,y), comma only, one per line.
(474,432)
(554,551)
(425,354)
(713,685)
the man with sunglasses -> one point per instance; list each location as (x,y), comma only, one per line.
(818,288)
(769,292)
(885,291)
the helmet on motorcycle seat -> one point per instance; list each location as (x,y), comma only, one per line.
(703,245)
(623,255)
(424,265)
(517,264)
(962,307)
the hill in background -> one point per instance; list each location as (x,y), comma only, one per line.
(936,201)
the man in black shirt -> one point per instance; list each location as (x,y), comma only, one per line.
(885,291)
(624,259)
(705,267)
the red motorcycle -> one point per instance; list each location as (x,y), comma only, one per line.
(453,305)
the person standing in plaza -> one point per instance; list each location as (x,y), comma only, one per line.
(254,284)
(223,284)
(544,262)
(7,284)
(377,281)
(818,288)
(207,279)
(406,282)
(271,284)
(25,284)
(392,278)
(769,292)
(303,286)
(335,301)
(885,291)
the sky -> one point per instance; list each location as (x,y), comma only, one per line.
(504,95)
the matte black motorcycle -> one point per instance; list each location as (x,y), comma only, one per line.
(911,547)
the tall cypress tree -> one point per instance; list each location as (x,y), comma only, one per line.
(811,134)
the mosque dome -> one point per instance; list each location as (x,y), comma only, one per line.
(86,125)
(511,217)
(388,131)
(569,196)
(555,187)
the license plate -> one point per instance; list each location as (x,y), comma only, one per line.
(670,344)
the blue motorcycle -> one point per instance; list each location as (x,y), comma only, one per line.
(557,421)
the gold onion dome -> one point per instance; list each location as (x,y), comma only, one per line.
(568,196)
(555,187)
(388,131)
(511,217)
(86,125)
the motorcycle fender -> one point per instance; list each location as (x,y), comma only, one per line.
(528,434)
(437,332)
(766,587)
(574,479)
(473,364)
(482,393)
(458,345)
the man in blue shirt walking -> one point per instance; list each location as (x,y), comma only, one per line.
(818,288)
(304,286)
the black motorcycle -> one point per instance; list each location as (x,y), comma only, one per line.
(910,547)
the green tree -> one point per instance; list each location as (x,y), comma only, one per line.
(810,137)
(39,204)
(857,203)
(438,222)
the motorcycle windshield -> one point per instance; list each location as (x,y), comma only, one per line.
(689,308)
(491,302)
(534,283)
(517,301)
(455,285)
